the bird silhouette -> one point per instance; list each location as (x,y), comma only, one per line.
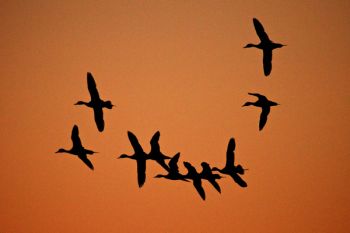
(140,156)
(78,149)
(266,45)
(230,168)
(196,179)
(173,172)
(155,153)
(96,103)
(264,104)
(207,174)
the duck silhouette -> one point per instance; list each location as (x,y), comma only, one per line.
(264,104)
(140,156)
(173,172)
(230,168)
(155,153)
(196,179)
(78,149)
(208,175)
(266,45)
(96,103)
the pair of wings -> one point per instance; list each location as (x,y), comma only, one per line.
(230,160)
(78,146)
(267,53)
(264,112)
(197,181)
(95,98)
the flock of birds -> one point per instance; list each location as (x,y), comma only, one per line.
(155,154)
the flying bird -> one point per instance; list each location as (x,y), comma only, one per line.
(173,172)
(78,149)
(264,104)
(140,156)
(96,103)
(196,179)
(155,153)
(207,174)
(266,45)
(230,168)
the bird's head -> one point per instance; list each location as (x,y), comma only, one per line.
(159,176)
(247,104)
(122,156)
(249,46)
(280,45)
(61,150)
(80,103)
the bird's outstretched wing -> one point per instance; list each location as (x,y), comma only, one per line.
(92,87)
(230,153)
(173,163)
(98,115)
(263,117)
(215,184)
(238,180)
(267,61)
(135,143)
(141,171)
(262,97)
(197,183)
(155,148)
(260,30)
(75,137)
(86,161)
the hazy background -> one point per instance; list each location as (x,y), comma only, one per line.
(178,67)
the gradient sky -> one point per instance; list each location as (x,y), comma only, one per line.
(178,67)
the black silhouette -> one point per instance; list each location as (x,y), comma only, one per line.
(265,105)
(173,172)
(140,156)
(266,45)
(196,178)
(230,168)
(208,175)
(96,103)
(156,154)
(78,149)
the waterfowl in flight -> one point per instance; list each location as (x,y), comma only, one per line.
(264,104)
(196,178)
(78,149)
(140,156)
(230,168)
(156,154)
(266,45)
(173,172)
(207,174)
(96,103)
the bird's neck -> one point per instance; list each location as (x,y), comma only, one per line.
(83,103)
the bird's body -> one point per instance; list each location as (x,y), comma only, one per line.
(230,168)
(266,45)
(155,153)
(96,103)
(140,156)
(264,104)
(196,179)
(78,149)
(208,175)
(173,172)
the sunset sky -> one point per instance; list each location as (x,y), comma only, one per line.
(178,67)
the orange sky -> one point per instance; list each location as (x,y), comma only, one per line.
(178,67)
